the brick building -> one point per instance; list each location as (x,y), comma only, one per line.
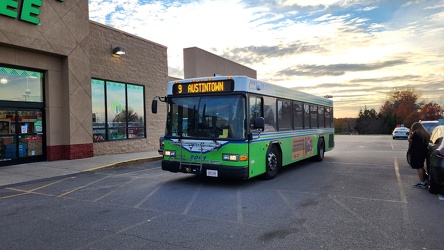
(67,92)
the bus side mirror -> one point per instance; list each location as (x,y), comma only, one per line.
(259,123)
(154,106)
(154,103)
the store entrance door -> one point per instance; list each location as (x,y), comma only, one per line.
(21,136)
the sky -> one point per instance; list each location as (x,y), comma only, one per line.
(358,51)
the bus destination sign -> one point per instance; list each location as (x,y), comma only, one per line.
(203,87)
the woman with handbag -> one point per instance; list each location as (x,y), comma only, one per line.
(418,141)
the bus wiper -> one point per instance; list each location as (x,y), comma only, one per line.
(182,131)
(218,145)
(204,118)
(213,137)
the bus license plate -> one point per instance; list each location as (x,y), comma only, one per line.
(211,173)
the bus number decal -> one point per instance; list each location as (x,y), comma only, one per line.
(197,157)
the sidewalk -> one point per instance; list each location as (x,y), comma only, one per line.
(46,169)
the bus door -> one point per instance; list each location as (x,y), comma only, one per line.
(256,147)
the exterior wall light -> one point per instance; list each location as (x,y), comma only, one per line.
(4,80)
(119,50)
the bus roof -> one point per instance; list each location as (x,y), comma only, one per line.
(246,84)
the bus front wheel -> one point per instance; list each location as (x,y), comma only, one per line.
(273,162)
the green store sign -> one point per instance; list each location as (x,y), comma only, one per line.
(29,11)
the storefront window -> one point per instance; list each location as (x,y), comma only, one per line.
(98,109)
(21,85)
(136,118)
(118,110)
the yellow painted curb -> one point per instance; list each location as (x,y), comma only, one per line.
(125,163)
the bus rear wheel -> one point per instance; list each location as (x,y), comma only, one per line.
(321,150)
(273,162)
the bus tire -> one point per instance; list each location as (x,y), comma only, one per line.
(321,150)
(273,163)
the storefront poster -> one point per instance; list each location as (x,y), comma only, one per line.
(38,126)
(24,129)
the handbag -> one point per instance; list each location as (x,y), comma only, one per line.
(409,155)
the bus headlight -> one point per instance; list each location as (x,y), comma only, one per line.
(170,153)
(230,157)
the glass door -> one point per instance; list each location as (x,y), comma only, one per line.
(8,139)
(21,135)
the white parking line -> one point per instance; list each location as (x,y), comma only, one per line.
(405,209)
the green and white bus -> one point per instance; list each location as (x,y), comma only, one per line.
(240,127)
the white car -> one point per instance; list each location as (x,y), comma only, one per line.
(401,132)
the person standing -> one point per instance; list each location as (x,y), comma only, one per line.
(418,141)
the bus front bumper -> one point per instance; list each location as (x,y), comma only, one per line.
(211,170)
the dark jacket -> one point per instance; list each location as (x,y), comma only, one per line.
(418,150)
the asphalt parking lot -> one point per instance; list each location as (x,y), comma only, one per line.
(360,196)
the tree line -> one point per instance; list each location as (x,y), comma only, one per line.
(402,107)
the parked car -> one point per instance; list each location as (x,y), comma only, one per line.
(429,125)
(161,142)
(435,160)
(401,132)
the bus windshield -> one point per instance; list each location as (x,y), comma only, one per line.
(207,117)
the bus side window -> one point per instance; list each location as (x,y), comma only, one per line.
(328,119)
(314,116)
(298,115)
(306,116)
(270,114)
(321,117)
(255,109)
(285,115)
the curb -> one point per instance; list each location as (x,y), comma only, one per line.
(125,163)
(117,164)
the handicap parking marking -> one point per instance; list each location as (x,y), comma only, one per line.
(32,191)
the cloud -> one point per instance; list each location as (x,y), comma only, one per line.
(387,79)
(369,8)
(259,54)
(321,3)
(356,50)
(337,69)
